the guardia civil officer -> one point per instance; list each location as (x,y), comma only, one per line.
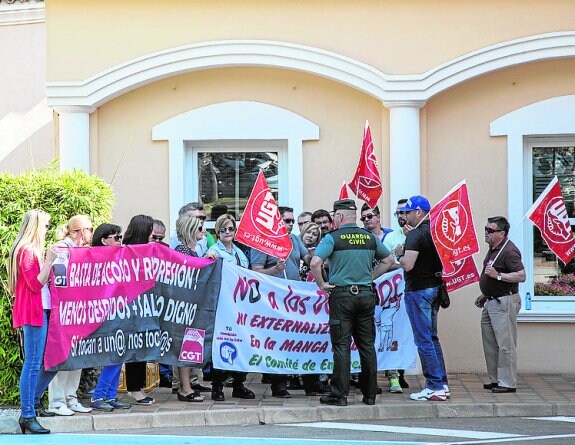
(350,251)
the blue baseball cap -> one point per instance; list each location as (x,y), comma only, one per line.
(416,202)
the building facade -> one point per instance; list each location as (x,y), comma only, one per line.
(187,100)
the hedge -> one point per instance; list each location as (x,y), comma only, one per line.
(62,195)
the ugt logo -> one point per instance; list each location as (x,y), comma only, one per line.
(452,224)
(265,215)
(557,225)
(193,346)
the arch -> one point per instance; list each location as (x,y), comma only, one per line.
(130,75)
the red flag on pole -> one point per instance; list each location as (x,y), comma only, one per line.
(463,272)
(452,228)
(343,192)
(262,226)
(366,183)
(549,214)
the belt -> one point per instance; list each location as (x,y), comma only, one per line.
(497,297)
(354,289)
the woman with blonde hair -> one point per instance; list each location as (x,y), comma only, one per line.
(28,274)
(62,396)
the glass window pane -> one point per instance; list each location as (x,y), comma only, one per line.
(227,178)
(548,270)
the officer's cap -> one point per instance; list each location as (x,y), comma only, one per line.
(344,204)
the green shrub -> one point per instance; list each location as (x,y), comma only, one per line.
(62,195)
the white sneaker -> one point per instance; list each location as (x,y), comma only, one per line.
(61,410)
(79,408)
(447,391)
(429,394)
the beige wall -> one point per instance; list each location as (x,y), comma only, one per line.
(339,111)
(458,146)
(22,87)
(396,36)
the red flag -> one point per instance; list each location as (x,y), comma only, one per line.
(343,192)
(463,272)
(262,226)
(366,183)
(452,228)
(549,214)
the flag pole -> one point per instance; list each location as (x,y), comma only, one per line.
(509,236)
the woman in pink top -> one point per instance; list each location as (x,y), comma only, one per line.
(28,273)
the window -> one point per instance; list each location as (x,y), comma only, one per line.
(227,178)
(550,157)
(223,173)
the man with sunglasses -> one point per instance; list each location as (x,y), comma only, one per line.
(350,251)
(422,271)
(500,301)
(270,265)
(372,222)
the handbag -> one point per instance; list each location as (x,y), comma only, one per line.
(443,295)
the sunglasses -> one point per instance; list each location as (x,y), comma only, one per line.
(158,238)
(116,237)
(202,217)
(490,230)
(289,220)
(368,216)
(227,230)
(400,212)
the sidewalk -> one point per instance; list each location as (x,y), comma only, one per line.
(537,395)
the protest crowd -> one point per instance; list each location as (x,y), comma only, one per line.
(332,269)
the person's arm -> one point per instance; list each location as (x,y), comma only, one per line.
(46,267)
(408,259)
(29,270)
(480,301)
(273,270)
(385,265)
(507,277)
(316,270)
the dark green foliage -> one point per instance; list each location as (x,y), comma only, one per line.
(62,195)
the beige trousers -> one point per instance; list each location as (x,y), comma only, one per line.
(499,335)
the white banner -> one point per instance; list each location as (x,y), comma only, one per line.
(272,325)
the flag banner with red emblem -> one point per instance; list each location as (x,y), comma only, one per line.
(461,273)
(366,184)
(550,216)
(262,226)
(343,192)
(452,228)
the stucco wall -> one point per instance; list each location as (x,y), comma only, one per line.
(26,135)
(458,146)
(396,36)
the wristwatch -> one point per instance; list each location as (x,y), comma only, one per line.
(498,276)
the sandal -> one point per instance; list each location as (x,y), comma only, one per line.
(192,397)
(145,401)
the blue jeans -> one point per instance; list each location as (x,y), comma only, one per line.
(34,379)
(107,385)
(422,313)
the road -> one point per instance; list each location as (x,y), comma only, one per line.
(456,431)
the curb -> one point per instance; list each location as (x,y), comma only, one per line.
(260,416)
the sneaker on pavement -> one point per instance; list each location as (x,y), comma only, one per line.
(394,385)
(61,410)
(447,391)
(437,395)
(79,408)
(119,404)
(101,405)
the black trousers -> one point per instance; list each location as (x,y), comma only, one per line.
(219,376)
(135,376)
(352,316)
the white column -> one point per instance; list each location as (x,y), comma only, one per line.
(74,135)
(404,147)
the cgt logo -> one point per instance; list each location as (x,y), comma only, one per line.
(192,350)
(60,268)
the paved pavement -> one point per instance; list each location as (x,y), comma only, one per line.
(537,395)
